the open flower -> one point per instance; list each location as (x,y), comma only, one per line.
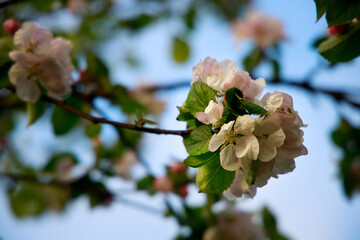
(265,30)
(40,60)
(213,113)
(224,75)
(238,143)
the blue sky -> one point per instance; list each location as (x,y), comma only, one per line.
(309,202)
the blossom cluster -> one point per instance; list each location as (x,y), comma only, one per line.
(265,30)
(256,147)
(40,60)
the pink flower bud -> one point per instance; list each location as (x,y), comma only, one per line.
(11,25)
(178,168)
(183,192)
(163,184)
(336,30)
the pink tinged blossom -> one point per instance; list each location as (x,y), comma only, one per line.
(26,89)
(214,74)
(265,30)
(31,38)
(11,25)
(270,136)
(254,89)
(178,168)
(213,113)
(240,187)
(163,184)
(43,60)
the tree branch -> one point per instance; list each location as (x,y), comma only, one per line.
(7,3)
(97,120)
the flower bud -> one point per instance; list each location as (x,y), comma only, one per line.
(336,30)
(183,192)
(11,25)
(178,168)
(163,184)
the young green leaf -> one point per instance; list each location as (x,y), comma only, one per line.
(212,178)
(321,6)
(342,48)
(200,160)
(233,98)
(197,142)
(199,97)
(93,130)
(35,111)
(63,121)
(340,11)
(180,50)
(253,108)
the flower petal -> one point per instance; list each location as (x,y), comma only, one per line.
(244,125)
(228,159)
(267,151)
(219,139)
(28,90)
(277,138)
(247,146)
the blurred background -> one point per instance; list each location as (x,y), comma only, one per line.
(312,202)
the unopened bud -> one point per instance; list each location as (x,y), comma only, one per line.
(11,25)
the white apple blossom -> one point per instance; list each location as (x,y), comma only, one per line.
(213,113)
(253,138)
(265,30)
(40,60)
(234,224)
(278,149)
(224,75)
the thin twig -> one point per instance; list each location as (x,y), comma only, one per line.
(97,120)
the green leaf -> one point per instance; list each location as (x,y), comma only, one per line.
(96,67)
(199,97)
(341,11)
(180,50)
(253,108)
(270,225)
(145,183)
(184,115)
(35,111)
(198,161)
(233,98)
(25,201)
(93,130)
(253,59)
(212,178)
(321,6)
(63,121)
(138,22)
(342,48)
(197,142)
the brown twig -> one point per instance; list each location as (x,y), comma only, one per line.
(97,120)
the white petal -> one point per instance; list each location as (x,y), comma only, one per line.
(247,146)
(255,88)
(267,151)
(274,101)
(228,159)
(204,118)
(244,125)
(26,60)
(32,37)
(28,90)
(284,165)
(219,139)
(53,77)
(277,138)
(16,72)
(267,125)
